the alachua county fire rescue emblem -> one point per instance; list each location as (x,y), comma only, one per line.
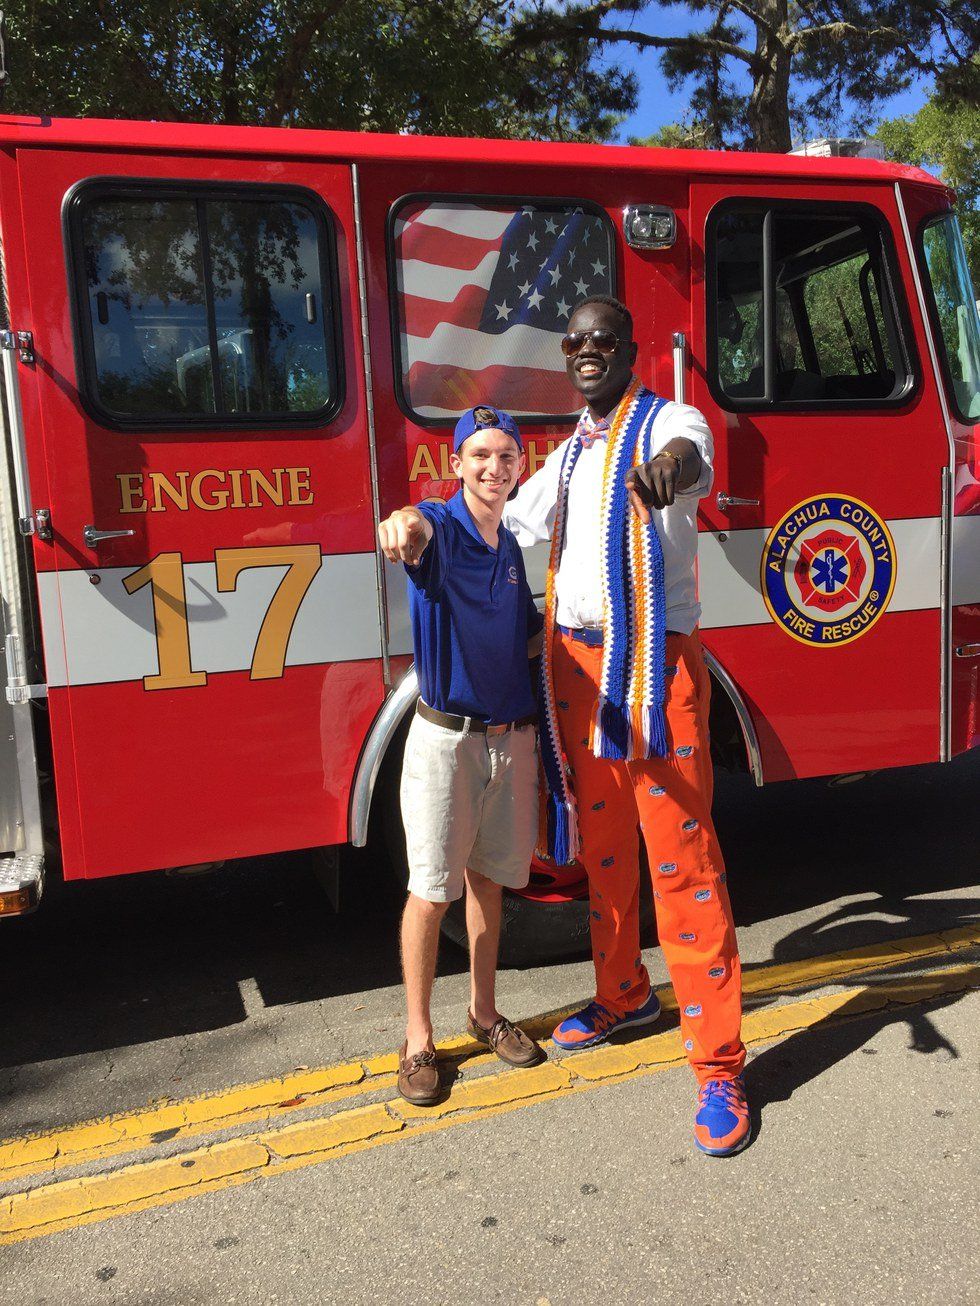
(828,570)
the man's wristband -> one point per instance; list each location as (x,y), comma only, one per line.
(669,453)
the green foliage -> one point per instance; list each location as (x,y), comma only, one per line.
(944,137)
(365,65)
(819,68)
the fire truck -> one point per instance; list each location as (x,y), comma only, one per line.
(228,352)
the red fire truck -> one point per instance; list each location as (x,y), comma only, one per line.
(228,351)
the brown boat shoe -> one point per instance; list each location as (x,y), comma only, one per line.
(418,1077)
(508,1041)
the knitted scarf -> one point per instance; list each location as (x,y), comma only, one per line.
(628,721)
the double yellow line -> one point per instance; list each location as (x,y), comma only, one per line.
(47,1203)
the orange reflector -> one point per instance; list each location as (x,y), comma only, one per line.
(18,901)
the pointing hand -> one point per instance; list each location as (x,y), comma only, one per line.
(404,535)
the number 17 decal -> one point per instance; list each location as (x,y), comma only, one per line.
(165,576)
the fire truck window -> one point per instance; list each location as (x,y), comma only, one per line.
(485,290)
(954,304)
(207,307)
(739,304)
(844,313)
(821,282)
(264,266)
(145,279)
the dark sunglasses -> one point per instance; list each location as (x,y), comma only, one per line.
(607,342)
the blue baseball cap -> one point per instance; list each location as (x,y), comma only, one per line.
(485,418)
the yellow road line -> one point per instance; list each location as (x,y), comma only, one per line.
(272,1099)
(138,1187)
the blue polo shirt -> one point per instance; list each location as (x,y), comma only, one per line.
(472,615)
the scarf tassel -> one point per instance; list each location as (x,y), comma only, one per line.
(611,733)
(563,843)
(656,739)
(624,734)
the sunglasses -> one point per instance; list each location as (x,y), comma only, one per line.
(607,342)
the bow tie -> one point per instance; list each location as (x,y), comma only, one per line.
(589,431)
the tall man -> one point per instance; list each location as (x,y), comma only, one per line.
(625,719)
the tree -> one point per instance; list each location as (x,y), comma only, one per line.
(379,65)
(854,52)
(944,136)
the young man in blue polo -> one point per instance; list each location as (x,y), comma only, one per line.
(469,789)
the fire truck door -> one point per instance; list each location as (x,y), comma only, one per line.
(820,567)
(209,594)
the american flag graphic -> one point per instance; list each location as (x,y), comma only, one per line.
(484,297)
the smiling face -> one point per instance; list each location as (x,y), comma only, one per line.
(489,464)
(601,379)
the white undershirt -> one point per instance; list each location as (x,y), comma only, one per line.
(578,585)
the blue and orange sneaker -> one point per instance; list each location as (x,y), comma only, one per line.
(722,1126)
(594,1023)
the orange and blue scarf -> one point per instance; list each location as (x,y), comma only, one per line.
(628,721)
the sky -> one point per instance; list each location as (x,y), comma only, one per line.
(659,106)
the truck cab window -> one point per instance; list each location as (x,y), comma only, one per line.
(211,308)
(484,289)
(802,309)
(954,311)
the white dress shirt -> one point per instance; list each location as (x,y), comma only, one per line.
(578,585)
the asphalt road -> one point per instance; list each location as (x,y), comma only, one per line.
(582,1186)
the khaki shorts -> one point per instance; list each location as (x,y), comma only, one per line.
(468,800)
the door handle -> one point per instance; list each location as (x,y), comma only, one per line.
(92,537)
(679,349)
(726,501)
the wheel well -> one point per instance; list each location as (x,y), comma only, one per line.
(727,743)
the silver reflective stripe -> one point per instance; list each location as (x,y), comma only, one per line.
(99,634)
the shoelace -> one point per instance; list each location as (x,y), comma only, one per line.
(722,1092)
(500,1030)
(596,1014)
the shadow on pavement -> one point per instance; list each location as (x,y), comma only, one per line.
(126,961)
(777,1072)
(118,962)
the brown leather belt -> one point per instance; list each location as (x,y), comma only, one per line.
(468,724)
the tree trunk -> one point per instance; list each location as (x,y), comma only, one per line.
(231,111)
(768,114)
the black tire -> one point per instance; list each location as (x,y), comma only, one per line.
(532,933)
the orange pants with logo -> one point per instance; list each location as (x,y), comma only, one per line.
(670,798)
